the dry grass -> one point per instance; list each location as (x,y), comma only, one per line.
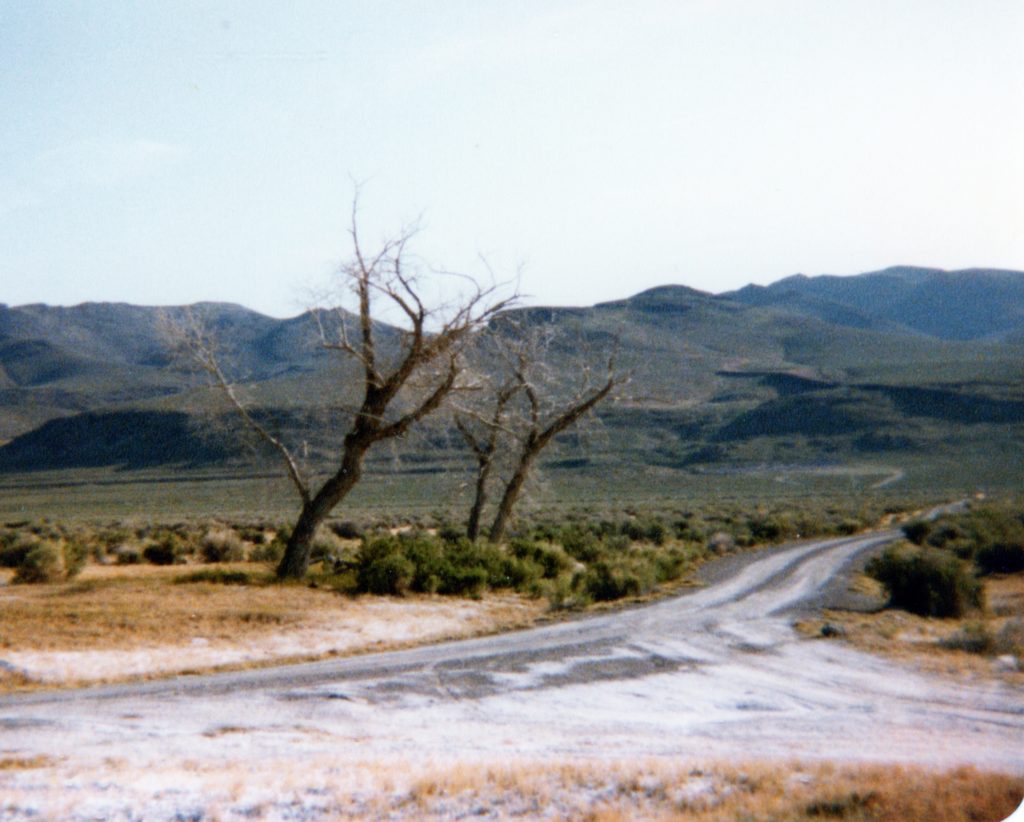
(718,792)
(603,792)
(1006,595)
(659,789)
(923,641)
(120,622)
(136,606)
(25,763)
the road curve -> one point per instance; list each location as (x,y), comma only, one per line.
(717,672)
(769,585)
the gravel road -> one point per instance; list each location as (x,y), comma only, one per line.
(716,673)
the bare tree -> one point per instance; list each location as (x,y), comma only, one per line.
(523,418)
(483,434)
(401,383)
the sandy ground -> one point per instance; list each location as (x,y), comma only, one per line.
(719,674)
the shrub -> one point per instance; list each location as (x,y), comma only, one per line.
(326,547)
(15,547)
(222,545)
(1000,558)
(551,560)
(580,544)
(75,553)
(769,528)
(721,542)
(271,552)
(167,550)
(974,638)
(917,531)
(926,582)
(604,581)
(1010,639)
(670,565)
(217,576)
(127,555)
(521,574)
(42,563)
(387,574)
(347,530)
(450,533)
(51,560)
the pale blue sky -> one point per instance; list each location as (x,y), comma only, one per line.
(170,152)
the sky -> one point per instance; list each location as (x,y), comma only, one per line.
(172,152)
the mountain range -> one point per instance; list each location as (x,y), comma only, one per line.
(908,361)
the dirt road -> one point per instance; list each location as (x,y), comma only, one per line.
(718,673)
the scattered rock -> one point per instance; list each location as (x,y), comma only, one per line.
(1007,663)
(830,630)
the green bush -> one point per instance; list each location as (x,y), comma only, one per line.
(926,581)
(347,530)
(581,544)
(606,580)
(42,563)
(15,547)
(552,560)
(388,574)
(167,550)
(50,560)
(917,531)
(1000,558)
(127,555)
(75,554)
(271,552)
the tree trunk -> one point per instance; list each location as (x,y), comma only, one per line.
(295,561)
(473,525)
(511,496)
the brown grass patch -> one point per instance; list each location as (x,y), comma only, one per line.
(130,622)
(26,763)
(1005,594)
(137,606)
(719,792)
(930,643)
(656,789)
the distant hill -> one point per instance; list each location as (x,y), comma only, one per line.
(973,304)
(907,362)
(58,361)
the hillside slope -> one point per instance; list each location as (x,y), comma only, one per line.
(972,304)
(808,370)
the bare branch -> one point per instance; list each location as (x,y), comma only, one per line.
(199,344)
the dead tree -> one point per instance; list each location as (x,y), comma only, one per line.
(483,439)
(523,419)
(399,386)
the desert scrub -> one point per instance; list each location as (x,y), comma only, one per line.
(221,544)
(582,569)
(49,560)
(216,576)
(973,637)
(926,581)
(168,549)
(14,547)
(1000,557)
(991,534)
